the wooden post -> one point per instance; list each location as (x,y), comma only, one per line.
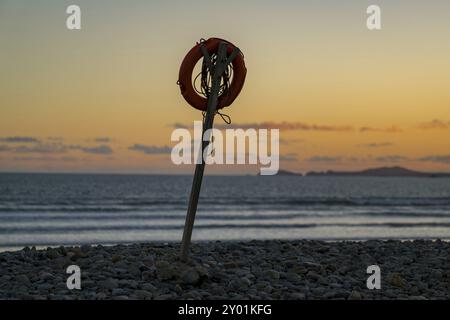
(217,70)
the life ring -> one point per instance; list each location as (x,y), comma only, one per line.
(187,67)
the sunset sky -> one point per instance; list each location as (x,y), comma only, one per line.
(104,98)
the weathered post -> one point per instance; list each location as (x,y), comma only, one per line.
(216,69)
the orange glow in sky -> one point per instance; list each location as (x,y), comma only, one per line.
(344,97)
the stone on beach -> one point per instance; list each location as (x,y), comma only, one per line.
(190,276)
(270,269)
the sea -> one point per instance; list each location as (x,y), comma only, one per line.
(73,209)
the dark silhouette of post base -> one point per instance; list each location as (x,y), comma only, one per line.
(217,71)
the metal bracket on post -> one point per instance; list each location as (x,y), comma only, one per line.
(217,71)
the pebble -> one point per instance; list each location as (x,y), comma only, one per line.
(292,277)
(101,296)
(148,287)
(190,277)
(52,254)
(108,284)
(46,276)
(355,295)
(418,298)
(21,278)
(272,274)
(118,292)
(143,295)
(164,270)
(297,269)
(116,258)
(231,265)
(85,248)
(298,296)
(396,280)
(178,289)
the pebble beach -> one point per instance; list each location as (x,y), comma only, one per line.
(272,269)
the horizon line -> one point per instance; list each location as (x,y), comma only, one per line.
(215,174)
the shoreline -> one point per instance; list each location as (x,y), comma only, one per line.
(256,269)
(12,249)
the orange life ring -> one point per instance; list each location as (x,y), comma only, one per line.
(187,67)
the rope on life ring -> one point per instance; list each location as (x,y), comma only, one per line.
(199,98)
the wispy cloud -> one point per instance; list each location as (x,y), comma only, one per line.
(445,159)
(290,157)
(55,148)
(381,159)
(64,159)
(102,139)
(55,139)
(435,124)
(324,159)
(290,141)
(178,125)
(102,149)
(150,149)
(41,148)
(19,139)
(376,145)
(436,158)
(392,129)
(391,158)
(284,125)
(296,126)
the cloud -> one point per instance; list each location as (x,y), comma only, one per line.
(18,139)
(354,159)
(41,148)
(392,129)
(382,159)
(102,149)
(178,125)
(437,158)
(291,157)
(300,126)
(55,139)
(435,124)
(150,149)
(376,145)
(102,139)
(391,158)
(55,148)
(65,159)
(290,141)
(295,126)
(324,159)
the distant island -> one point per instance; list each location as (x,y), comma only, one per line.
(287,173)
(374,172)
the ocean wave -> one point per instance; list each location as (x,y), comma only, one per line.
(223,204)
(243,215)
(130,228)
